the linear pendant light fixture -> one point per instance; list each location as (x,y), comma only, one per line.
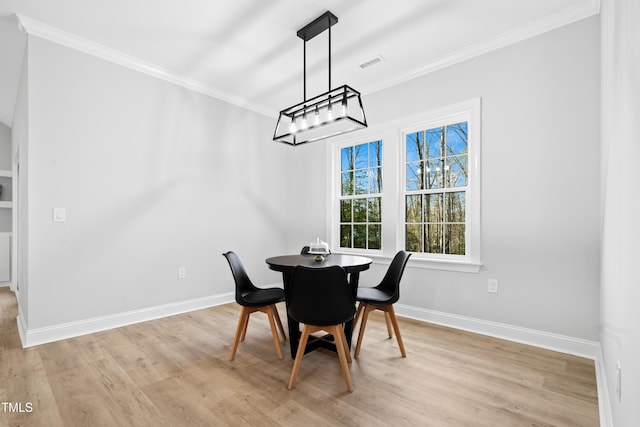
(335,112)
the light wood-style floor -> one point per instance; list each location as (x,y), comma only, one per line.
(175,372)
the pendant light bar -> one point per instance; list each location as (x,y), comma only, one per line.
(293,127)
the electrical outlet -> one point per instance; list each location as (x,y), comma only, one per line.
(618,381)
(492,286)
(182,272)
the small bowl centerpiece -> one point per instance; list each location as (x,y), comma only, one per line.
(320,249)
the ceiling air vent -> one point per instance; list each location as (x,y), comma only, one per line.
(372,62)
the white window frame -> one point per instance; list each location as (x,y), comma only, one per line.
(392,134)
(335,191)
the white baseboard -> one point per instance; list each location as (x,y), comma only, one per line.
(604,404)
(22,326)
(562,343)
(37,336)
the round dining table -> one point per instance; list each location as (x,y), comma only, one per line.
(353,265)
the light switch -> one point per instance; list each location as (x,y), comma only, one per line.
(59,214)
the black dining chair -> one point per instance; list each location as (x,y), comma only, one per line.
(320,299)
(382,297)
(253,299)
(305,250)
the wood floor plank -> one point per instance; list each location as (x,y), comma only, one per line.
(175,371)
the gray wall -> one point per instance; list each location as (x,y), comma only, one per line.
(153,177)
(540,183)
(620,295)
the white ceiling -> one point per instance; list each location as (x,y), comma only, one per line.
(247,51)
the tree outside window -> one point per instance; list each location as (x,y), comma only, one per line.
(361,196)
(436,188)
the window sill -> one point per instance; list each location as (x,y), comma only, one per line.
(445,264)
(416,262)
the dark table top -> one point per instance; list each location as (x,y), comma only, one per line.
(348,262)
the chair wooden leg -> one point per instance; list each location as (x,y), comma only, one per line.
(338,333)
(387,318)
(394,321)
(299,355)
(276,341)
(367,309)
(244,316)
(358,314)
(245,325)
(346,345)
(278,321)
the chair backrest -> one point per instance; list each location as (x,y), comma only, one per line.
(320,296)
(243,283)
(305,250)
(391,280)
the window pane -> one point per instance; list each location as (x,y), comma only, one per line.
(433,174)
(375,154)
(456,139)
(347,183)
(415,147)
(413,238)
(359,210)
(375,209)
(433,207)
(345,211)
(375,241)
(361,217)
(414,176)
(433,238)
(362,156)
(456,171)
(434,142)
(414,208)
(362,181)
(375,180)
(347,159)
(345,236)
(455,207)
(360,236)
(455,242)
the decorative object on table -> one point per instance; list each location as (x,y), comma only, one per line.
(335,112)
(382,297)
(320,249)
(253,299)
(321,300)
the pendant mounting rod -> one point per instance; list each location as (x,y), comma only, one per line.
(309,31)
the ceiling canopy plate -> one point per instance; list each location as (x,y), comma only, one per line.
(317,26)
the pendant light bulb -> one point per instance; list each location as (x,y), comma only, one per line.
(344,107)
(293,128)
(316,117)
(330,113)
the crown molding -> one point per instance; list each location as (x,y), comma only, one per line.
(56,35)
(548,23)
(551,22)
